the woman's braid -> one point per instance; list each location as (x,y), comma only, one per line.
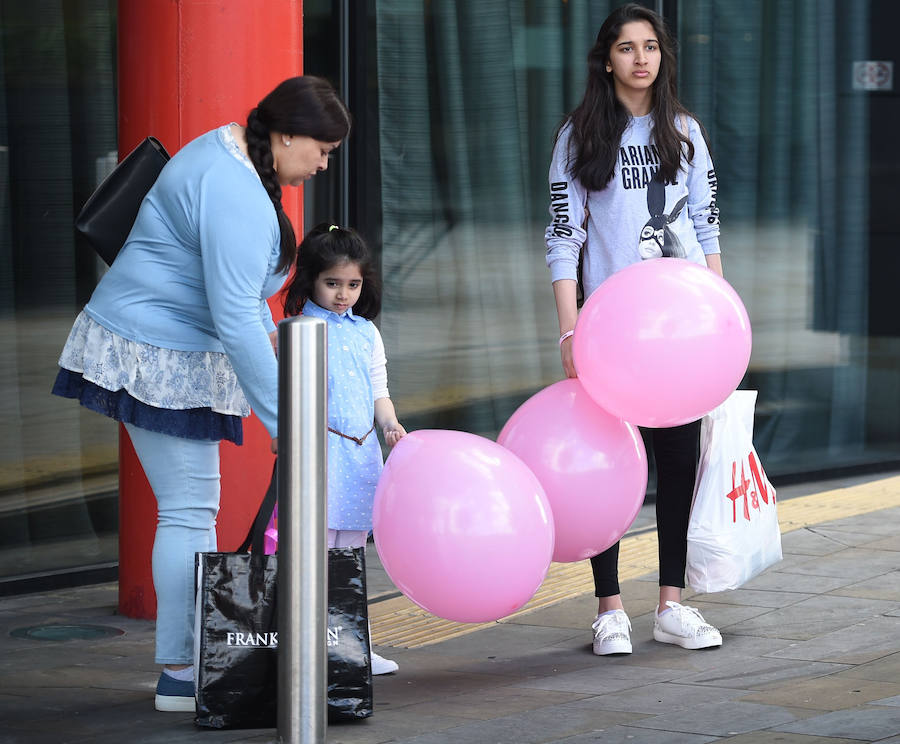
(260,149)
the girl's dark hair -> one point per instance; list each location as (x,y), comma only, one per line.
(600,119)
(323,248)
(304,105)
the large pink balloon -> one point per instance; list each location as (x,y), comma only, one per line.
(462,525)
(592,466)
(662,342)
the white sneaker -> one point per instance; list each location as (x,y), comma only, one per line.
(685,627)
(612,633)
(380,665)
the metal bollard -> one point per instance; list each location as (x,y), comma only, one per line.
(302,530)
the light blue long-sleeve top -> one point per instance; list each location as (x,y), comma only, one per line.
(198,266)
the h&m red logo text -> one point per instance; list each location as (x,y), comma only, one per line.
(749,490)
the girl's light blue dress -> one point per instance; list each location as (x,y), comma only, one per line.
(353,469)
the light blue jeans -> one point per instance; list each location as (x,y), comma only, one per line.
(184,476)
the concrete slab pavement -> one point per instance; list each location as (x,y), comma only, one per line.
(811,655)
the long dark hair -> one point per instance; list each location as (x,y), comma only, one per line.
(600,119)
(304,105)
(325,247)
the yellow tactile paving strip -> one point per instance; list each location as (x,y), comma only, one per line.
(401,623)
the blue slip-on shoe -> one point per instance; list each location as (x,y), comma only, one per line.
(175,695)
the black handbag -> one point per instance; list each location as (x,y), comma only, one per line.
(236,638)
(349,653)
(108,215)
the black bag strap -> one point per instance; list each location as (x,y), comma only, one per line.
(256,535)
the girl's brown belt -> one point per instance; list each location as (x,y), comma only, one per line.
(358,440)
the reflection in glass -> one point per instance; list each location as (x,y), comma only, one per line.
(468,96)
(792,141)
(58,463)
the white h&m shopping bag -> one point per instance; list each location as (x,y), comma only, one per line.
(733,533)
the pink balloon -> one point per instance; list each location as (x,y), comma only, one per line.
(662,342)
(462,525)
(593,467)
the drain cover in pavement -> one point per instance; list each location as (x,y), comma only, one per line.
(66,632)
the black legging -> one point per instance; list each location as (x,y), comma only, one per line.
(676,451)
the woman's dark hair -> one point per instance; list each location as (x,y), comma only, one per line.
(600,119)
(323,248)
(304,105)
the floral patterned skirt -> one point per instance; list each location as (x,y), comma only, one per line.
(190,394)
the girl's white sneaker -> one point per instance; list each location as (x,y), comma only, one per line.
(612,633)
(684,626)
(380,665)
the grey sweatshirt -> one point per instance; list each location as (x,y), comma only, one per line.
(634,217)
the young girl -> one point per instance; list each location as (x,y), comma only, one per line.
(335,280)
(630,179)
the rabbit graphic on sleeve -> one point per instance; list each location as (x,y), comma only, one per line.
(657,238)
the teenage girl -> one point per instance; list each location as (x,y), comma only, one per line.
(336,281)
(631,179)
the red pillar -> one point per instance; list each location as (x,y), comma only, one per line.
(185,67)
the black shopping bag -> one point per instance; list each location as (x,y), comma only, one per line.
(235,634)
(236,638)
(349,661)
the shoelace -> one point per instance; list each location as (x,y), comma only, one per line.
(607,625)
(690,619)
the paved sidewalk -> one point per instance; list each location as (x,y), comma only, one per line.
(811,655)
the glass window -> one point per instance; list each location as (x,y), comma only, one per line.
(805,155)
(469,95)
(456,104)
(58,463)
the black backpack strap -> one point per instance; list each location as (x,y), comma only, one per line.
(256,535)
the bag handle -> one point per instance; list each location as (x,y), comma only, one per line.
(256,535)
